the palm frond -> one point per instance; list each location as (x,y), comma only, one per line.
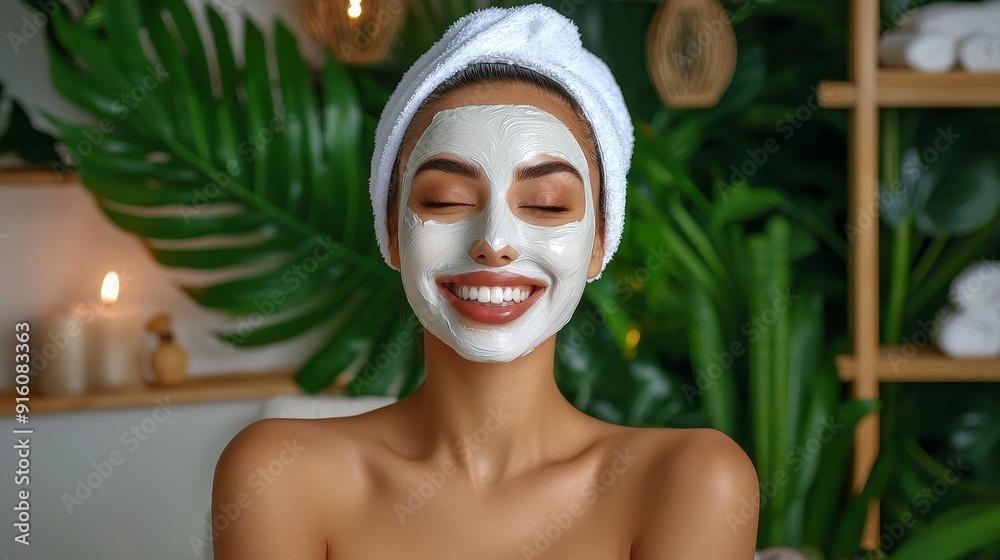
(259,165)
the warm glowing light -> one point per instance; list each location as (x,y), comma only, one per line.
(632,338)
(343,25)
(109,289)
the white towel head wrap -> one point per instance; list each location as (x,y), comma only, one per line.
(540,39)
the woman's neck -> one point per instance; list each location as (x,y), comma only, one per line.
(493,420)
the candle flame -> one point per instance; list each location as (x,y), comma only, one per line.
(109,289)
(354,9)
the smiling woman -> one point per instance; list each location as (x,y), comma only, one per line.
(498,193)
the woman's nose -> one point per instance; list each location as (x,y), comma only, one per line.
(484,254)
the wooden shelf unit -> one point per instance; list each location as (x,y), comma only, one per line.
(869,89)
(198,389)
(35,176)
(897,364)
(906,88)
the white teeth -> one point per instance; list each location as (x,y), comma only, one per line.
(494,295)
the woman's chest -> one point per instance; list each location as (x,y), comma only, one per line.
(575,516)
(572,534)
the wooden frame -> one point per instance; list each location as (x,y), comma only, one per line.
(870,89)
(33,176)
(195,389)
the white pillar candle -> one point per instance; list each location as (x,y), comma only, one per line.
(113,341)
(62,364)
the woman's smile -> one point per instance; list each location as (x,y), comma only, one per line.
(491,297)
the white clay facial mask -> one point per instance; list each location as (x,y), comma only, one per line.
(495,313)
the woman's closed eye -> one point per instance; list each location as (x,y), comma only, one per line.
(443,204)
(547,203)
(547,209)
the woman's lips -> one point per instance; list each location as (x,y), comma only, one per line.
(491,298)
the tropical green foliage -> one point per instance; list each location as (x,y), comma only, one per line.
(755,327)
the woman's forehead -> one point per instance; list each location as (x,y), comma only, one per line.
(498,138)
(501,94)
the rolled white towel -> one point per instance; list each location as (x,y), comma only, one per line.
(976,289)
(925,52)
(980,53)
(956,19)
(964,335)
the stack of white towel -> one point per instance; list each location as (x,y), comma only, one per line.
(972,330)
(936,37)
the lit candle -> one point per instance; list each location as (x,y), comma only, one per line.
(92,345)
(113,341)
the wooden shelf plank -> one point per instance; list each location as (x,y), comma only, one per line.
(925,364)
(198,389)
(836,95)
(906,88)
(35,176)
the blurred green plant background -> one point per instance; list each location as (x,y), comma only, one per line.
(725,306)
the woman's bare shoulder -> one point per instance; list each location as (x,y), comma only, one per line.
(699,494)
(267,433)
(678,449)
(675,448)
(326,445)
(686,459)
(278,485)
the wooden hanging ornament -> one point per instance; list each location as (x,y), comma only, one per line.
(357,31)
(691,52)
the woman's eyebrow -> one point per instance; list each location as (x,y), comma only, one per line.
(457,167)
(525,173)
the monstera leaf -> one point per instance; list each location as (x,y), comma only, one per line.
(255,171)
